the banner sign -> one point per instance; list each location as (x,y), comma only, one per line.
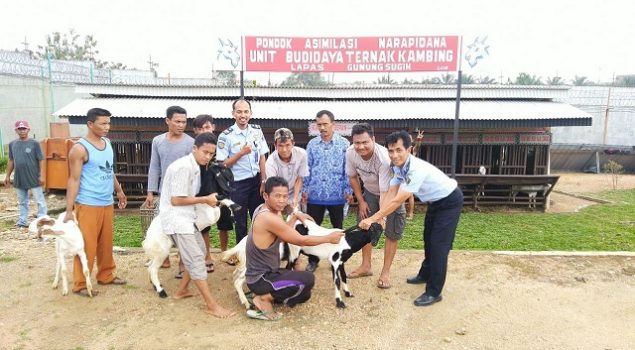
(342,128)
(534,139)
(501,139)
(351,54)
(464,139)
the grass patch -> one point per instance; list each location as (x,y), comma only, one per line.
(127,231)
(7,258)
(600,227)
(5,225)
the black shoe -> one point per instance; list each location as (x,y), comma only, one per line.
(311,267)
(425,300)
(416,280)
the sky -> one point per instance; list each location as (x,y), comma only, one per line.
(546,38)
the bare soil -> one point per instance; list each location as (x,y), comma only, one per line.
(491,301)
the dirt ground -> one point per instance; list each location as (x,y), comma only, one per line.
(491,301)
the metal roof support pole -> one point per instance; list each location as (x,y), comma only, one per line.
(455,134)
(242,69)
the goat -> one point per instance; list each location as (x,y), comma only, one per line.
(69,242)
(337,255)
(157,244)
(531,190)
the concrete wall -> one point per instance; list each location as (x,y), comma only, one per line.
(620,129)
(34,100)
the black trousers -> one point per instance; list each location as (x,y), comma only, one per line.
(286,287)
(246,193)
(439,230)
(336,214)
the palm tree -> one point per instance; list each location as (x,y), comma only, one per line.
(448,79)
(305,79)
(386,79)
(467,79)
(580,81)
(526,79)
(486,80)
(555,81)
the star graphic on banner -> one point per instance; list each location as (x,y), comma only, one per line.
(476,51)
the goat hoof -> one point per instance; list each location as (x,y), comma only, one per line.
(163,294)
(348,294)
(340,304)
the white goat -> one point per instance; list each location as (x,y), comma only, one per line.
(69,242)
(157,244)
(531,190)
(337,254)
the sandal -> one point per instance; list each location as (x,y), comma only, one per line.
(116,281)
(84,293)
(264,315)
(210,267)
(383,285)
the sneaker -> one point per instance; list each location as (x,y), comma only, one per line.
(21,226)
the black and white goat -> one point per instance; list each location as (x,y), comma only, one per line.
(157,244)
(337,254)
(68,242)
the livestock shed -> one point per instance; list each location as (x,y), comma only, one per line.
(505,129)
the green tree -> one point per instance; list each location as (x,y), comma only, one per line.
(555,81)
(72,46)
(486,80)
(447,79)
(386,79)
(467,79)
(625,80)
(527,79)
(226,77)
(580,81)
(305,79)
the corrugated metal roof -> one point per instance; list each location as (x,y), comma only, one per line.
(332,92)
(343,110)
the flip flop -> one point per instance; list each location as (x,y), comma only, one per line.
(210,267)
(116,281)
(84,293)
(264,315)
(383,285)
(358,275)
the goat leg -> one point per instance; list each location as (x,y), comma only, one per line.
(58,268)
(342,273)
(86,271)
(336,281)
(63,272)
(153,270)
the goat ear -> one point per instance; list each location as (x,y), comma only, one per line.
(43,222)
(50,232)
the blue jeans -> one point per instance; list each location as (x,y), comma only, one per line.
(23,202)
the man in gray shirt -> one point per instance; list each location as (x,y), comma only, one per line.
(369,162)
(26,158)
(166,148)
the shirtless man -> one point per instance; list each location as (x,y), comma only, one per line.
(264,277)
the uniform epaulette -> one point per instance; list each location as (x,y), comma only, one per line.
(255,126)
(228,131)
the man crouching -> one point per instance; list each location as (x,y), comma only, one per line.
(178,200)
(268,229)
